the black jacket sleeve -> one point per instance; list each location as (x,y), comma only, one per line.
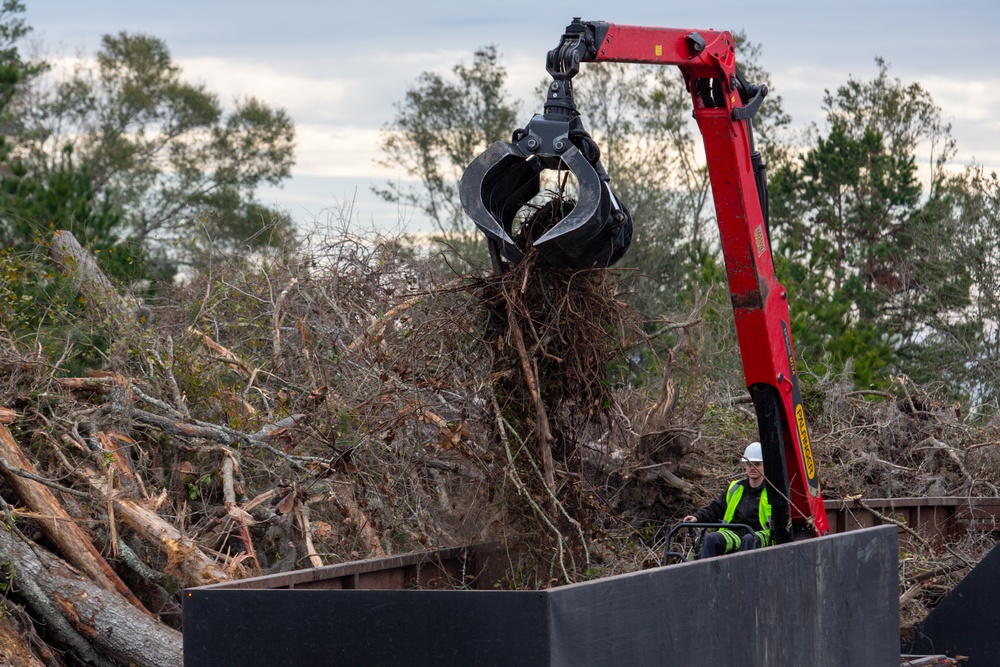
(714,511)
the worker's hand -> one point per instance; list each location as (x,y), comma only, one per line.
(690,518)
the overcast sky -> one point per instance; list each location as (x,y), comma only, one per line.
(338,67)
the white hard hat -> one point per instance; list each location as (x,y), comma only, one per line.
(753,453)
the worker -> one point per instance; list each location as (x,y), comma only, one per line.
(745,501)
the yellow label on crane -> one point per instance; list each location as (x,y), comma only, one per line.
(659,50)
(807,454)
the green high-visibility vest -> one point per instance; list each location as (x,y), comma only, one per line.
(733,496)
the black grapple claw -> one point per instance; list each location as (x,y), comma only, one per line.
(498,183)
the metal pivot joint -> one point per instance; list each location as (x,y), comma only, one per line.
(751,95)
(501,181)
(563,63)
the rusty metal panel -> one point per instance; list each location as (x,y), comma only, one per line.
(469,565)
(983,516)
(936,518)
(387,580)
(320,584)
(934,523)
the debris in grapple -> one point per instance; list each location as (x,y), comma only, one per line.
(542,220)
(598,230)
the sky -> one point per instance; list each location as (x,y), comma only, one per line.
(339,67)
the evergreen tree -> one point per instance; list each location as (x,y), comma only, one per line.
(872,261)
(145,170)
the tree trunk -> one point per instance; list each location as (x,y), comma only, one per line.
(90,281)
(74,544)
(111,625)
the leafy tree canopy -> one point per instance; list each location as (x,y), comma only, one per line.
(181,169)
(147,171)
(872,261)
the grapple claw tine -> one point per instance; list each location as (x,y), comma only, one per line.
(494,187)
(598,230)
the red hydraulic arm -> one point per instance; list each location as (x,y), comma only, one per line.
(723,106)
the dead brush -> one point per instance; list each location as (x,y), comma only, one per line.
(558,340)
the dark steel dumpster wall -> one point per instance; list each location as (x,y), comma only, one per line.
(827,601)
(830,601)
(967,621)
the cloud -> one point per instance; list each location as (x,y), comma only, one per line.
(236,79)
(340,113)
(338,70)
(340,152)
(965,101)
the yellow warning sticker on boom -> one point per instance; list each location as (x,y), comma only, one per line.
(804,444)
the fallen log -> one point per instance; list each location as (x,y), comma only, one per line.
(7,416)
(73,542)
(184,558)
(105,621)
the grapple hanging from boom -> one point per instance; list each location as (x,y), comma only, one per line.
(501,181)
(599,229)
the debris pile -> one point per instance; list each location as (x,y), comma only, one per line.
(352,400)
